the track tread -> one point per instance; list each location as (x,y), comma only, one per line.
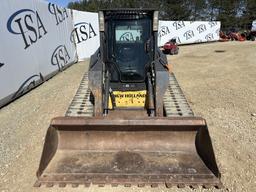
(140,185)
(81,105)
(175,102)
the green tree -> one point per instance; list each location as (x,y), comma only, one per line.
(249,13)
(232,13)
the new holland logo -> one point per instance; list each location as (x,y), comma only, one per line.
(28,24)
(60,13)
(178,24)
(126,37)
(60,57)
(201,28)
(164,30)
(189,34)
(82,32)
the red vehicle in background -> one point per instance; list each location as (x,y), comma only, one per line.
(171,47)
(237,36)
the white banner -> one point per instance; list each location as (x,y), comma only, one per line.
(186,32)
(85,33)
(35,45)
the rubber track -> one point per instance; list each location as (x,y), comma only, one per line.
(175,103)
(81,105)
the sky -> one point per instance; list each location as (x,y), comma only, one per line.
(62,3)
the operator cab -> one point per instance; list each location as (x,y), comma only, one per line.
(128,46)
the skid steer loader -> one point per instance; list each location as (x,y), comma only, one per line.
(129,122)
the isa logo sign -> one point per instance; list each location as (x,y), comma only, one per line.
(189,34)
(128,36)
(27,85)
(164,30)
(27,24)
(60,57)
(82,32)
(59,13)
(178,25)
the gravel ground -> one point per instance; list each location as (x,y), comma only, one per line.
(219,81)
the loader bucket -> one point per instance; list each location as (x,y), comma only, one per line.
(149,151)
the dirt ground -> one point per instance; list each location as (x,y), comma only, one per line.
(219,81)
